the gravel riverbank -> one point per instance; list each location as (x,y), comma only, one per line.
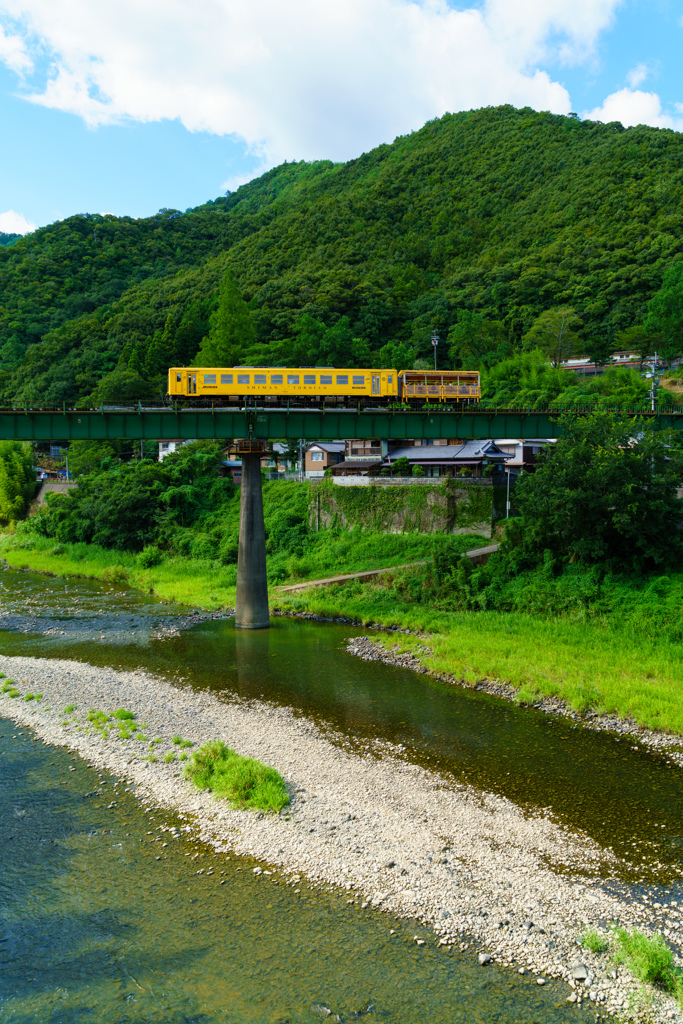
(517,888)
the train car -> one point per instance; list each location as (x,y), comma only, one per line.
(457,387)
(312,386)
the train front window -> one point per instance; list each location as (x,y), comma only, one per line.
(242,378)
(293,379)
(309,379)
(325,380)
(178,377)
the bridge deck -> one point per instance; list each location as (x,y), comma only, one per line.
(167,423)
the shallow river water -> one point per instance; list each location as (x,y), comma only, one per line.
(94,927)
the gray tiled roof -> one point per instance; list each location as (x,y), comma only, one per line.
(445,452)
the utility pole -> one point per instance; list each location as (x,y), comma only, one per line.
(435,344)
(654,381)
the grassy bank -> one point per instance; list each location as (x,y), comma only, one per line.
(207,583)
(600,664)
(609,663)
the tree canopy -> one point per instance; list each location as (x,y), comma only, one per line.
(475,226)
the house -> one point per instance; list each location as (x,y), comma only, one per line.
(468,459)
(168,447)
(321,455)
(231,468)
(524,451)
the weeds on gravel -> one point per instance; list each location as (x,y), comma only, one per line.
(180,742)
(650,959)
(183,757)
(244,781)
(7,686)
(152,758)
(594,941)
(124,716)
(169,757)
(69,709)
(29,696)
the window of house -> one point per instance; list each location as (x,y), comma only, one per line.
(342,381)
(293,378)
(259,378)
(164,446)
(226,378)
(309,378)
(325,379)
(358,381)
(276,378)
(316,456)
(209,378)
(242,378)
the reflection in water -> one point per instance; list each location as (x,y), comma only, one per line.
(103,923)
(625,798)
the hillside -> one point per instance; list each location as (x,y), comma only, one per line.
(500,211)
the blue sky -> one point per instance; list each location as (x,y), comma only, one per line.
(127,106)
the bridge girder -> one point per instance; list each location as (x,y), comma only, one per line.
(185,424)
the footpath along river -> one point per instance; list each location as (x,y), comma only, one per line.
(96,928)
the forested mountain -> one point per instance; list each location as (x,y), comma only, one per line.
(7,239)
(473,227)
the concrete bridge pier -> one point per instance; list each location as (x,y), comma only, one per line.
(251,606)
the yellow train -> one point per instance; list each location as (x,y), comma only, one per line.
(305,386)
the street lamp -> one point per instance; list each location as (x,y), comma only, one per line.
(435,342)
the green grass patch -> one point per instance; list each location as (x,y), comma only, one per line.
(244,781)
(183,757)
(180,742)
(123,715)
(69,709)
(7,686)
(29,696)
(650,959)
(12,693)
(594,941)
(169,757)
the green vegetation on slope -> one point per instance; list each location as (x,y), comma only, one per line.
(474,226)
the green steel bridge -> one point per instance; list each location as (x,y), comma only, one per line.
(183,423)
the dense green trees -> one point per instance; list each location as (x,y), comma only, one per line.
(231,331)
(605,494)
(17,479)
(474,227)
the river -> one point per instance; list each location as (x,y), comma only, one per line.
(94,927)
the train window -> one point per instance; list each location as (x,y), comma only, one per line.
(358,381)
(259,378)
(389,379)
(309,378)
(226,378)
(209,378)
(276,378)
(325,379)
(242,378)
(178,377)
(342,380)
(293,378)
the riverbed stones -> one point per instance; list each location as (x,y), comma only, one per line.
(485,958)
(455,848)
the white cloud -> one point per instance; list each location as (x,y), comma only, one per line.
(637,76)
(13,223)
(633,106)
(13,52)
(305,79)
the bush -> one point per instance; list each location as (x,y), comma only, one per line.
(115,574)
(244,781)
(149,557)
(650,959)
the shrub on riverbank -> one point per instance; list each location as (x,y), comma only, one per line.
(650,959)
(244,781)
